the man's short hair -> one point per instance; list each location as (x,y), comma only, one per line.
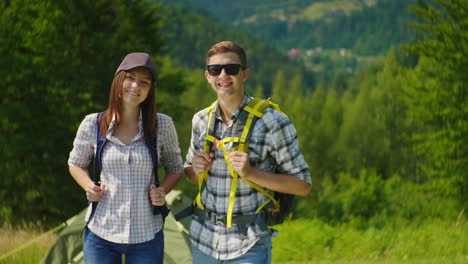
(228,46)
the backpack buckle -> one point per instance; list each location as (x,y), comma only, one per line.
(216,219)
(242,140)
(219,220)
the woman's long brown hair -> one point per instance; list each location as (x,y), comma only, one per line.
(148,108)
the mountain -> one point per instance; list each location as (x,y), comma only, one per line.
(323,35)
(369,27)
(190,34)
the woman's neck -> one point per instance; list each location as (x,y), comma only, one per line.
(130,114)
(128,126)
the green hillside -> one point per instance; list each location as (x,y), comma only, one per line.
(190,35)
(368,27)
(387,145)
(326,36)
(319,10)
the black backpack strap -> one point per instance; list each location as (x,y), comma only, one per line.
(97,163)
(187,211)
(152,147)
(100,143)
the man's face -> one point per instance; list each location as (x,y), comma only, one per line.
(226,85)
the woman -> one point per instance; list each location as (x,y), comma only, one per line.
(123,221)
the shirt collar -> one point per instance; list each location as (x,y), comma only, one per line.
(235,115)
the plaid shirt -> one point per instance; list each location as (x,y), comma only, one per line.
(124,213)
(273,147)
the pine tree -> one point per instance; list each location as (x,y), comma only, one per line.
(280,88)
(438,91)
(327,129)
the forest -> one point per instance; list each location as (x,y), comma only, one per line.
(386,145)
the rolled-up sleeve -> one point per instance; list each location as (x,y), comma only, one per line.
(195,143)
(84,143)
(289,158)
(170,159)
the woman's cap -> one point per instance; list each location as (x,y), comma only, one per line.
(137,59)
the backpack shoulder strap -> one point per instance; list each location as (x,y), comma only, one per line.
(207,145)
(97,163)
(255,110)
(152,148)
(100,143)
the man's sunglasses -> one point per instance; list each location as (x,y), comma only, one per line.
(216,69)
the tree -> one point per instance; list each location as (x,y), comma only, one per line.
(390,112)
(279,88)
(438,91)
(57,62)
(327,130)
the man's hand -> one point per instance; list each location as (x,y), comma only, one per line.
(240,163)
(202,161)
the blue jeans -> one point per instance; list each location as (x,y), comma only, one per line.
(98,250)
(260,253)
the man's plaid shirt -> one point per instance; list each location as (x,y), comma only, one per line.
(273,147)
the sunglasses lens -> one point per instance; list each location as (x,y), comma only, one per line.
(215,69)
(232,69)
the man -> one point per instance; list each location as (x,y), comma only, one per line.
(273,161)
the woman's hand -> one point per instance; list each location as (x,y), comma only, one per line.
(157,195)
(94,192)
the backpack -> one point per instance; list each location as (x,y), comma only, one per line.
(97,167)
(278,207)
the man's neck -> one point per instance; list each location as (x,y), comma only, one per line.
(229,105)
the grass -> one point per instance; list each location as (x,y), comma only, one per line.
(12,238)
(313,241)
(306,241)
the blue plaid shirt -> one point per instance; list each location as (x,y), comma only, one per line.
(273,147)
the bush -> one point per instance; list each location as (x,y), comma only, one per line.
(353,200)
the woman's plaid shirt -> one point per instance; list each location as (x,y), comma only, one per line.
(124,214)
(273,147)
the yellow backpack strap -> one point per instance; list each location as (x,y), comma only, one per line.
(203,176)
(232,194)
(274,105)
(256,108)
(264,192)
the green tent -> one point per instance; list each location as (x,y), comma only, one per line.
(68,248)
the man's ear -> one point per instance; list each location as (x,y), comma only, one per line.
(207,75)
(246,74)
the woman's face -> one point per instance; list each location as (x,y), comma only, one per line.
(136,86)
